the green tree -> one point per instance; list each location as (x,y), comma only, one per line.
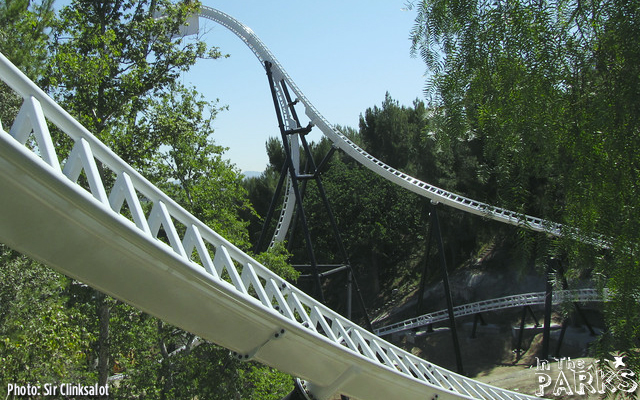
(115,68)
(260,190)
(110,60)
(392,132)
(604,132)
(380,223)
(24,39)
(496,76)
(548,90)
(42,340)
(190,167)
(26,25)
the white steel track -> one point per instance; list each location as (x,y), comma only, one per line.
(413,184)
(519,300)
(105,233)
(263,54)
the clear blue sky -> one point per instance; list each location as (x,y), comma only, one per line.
(344,55)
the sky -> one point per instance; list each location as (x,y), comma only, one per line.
(343,55)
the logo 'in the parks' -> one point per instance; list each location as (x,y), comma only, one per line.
(579,378)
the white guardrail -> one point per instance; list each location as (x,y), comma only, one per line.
(519,300)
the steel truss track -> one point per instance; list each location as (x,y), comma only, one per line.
(361,156)
(520,300)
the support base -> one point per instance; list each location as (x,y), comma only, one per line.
(298,392)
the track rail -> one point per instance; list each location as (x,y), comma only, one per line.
(361,156)
(520,300)
(106,233)
(263,54)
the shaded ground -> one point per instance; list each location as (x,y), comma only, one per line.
(524,379)
(494,344)
(491,356)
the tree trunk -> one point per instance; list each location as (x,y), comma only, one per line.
(166,371)
(104,313)
(375,273)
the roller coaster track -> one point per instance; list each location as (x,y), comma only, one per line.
(115,231)
(361,156)
(502,303)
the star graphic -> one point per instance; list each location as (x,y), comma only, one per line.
(619,362)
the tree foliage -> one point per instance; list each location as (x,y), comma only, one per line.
(115,66)
(41,338)
(549,90)
(113,58)
(190,167)
(25,25)
(392,132)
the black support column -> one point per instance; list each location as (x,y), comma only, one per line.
(312,172)
(447,290)
(548,304)
(294,183)
(298,393)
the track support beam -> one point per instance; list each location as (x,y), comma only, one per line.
(298,184)
(447,289)
(578,309)
(298,392)
(425,271)
(548,304)
(294,183)
(477,318)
